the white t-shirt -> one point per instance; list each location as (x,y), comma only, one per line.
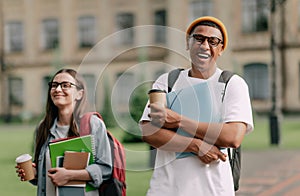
(189,176)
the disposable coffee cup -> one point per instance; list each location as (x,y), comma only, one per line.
(25,163)
(158,96)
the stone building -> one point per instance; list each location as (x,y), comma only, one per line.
(123,44)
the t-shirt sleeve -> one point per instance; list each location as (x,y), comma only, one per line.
(237,104)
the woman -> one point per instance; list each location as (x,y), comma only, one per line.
(66,103)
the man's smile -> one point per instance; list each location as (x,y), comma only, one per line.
(203,55)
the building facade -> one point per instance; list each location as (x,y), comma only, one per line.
(120,45)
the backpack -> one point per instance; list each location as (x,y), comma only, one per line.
(234,154)
(115,186)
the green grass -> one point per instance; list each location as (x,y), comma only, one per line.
(260,138)
(14,141)
(17,139)
(138,173)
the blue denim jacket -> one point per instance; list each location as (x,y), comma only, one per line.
(99,171)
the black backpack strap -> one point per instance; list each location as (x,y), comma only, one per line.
(172,77)
(235,153)
(224,78)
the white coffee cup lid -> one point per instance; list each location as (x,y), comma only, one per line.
(23,158)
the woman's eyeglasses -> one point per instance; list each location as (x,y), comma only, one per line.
(212,41)
(63,85)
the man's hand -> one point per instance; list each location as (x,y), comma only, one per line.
(164,117)
(209,153)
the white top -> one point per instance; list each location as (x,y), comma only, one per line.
(60,132)
(189,176)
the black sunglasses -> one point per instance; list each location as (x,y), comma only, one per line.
(212,41)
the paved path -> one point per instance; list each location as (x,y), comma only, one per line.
(273,172)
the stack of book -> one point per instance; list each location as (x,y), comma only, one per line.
(74,154)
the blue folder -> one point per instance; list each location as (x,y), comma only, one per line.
(193,102)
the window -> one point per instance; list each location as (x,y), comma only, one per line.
(200,8)
(299,14)
(255,15)
(123,89)
(160,30)
(256,75)
(14,36)
(16,91)
(87,31)
(299,80)
(50,39)
(125,21)
(91,87)
(45,87)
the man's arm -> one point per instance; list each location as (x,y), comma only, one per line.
(229,134)
(168,140)
(220,134)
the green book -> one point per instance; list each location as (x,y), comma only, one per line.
(77,144)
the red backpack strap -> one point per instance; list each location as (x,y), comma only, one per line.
(118,159)
(118,153)
(85,127)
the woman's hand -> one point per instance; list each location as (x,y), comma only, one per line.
(59,176)
(21,173)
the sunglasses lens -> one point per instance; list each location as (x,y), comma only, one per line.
(212,41)
(199,38)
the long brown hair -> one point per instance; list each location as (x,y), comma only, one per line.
(51,113)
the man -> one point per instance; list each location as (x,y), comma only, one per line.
(208,171)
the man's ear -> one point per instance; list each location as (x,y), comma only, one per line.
(187,43)
(79,95)
(221,51)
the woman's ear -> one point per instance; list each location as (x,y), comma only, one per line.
(79,95)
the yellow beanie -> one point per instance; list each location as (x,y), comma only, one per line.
(209,19)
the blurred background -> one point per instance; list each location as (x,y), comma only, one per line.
(39,36)
(121,47)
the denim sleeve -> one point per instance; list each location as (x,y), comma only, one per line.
(102,168)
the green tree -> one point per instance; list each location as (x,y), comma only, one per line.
(137,102)
(106,112)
